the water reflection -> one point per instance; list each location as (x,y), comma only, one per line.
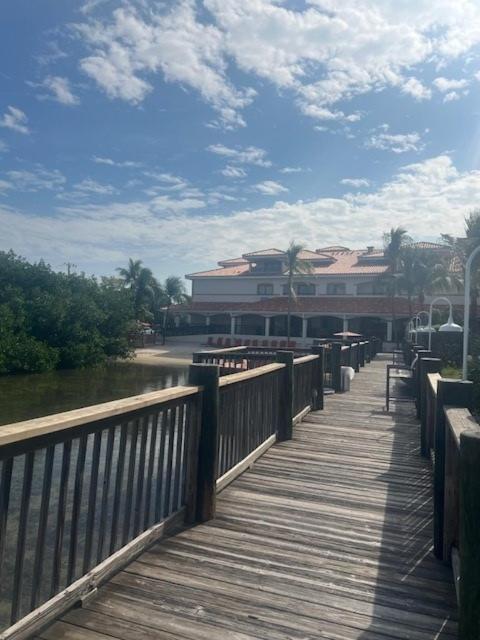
(30,396)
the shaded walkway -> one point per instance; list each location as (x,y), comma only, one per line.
(328,536)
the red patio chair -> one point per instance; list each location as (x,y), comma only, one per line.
(292,344)
(210,340)
(264,343)
(238,342)
(227,342)
(219,342)
(254,343)
(282,344)
(246,343)
(274,343)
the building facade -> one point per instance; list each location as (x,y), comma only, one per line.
(341,290)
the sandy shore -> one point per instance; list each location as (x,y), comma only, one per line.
(172,354)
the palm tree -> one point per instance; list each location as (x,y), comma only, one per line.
(295,266)
(394,241)
(172,292)
(131,273)
(142,284)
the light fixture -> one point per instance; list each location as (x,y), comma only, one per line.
(450,325)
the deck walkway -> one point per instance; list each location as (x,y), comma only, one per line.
(328,536)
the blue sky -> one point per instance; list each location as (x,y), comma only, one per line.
(186,132)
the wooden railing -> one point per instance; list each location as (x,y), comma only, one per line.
(84,492)
(243,396)
(307,383)
(450,437)
(77,487)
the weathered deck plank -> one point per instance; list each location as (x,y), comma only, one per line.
(328,536)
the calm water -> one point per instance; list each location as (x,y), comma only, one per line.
(30,396)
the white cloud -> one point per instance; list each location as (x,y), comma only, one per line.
(270,188)
(15,119)
(115,163)
(416,89)
(355,182)
(233,172)
(3,146)
(446,84)
(131,48)
(453,89)
(320,54)
(92,187)
(291,170)
(60,90)
(36,179)
(247,155)
(397,142)
(426,198)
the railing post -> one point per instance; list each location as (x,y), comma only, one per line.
(336,360)
(455,393)
(422,353)
(427,365)
(319,370)
(368,351)
(469,608)
(207,376)
(361,354)
(285,427)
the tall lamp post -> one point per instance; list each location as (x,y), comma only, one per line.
(448,326)
(466,310)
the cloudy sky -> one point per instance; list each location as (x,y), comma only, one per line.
(188,131)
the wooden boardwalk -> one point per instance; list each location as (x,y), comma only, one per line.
(328,536)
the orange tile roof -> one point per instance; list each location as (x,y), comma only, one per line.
(264,253)
(340,263)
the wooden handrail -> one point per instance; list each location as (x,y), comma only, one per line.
(304,359)
(250,373)
(460,420)
(20,431)
(433,379)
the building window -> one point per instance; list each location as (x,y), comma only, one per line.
(265,289)
(268,266)
(371,288)
(304,289)
(336,289)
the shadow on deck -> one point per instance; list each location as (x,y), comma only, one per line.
(327,536)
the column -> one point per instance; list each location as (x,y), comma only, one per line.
(176,321)
(304,327)
(345,323)
(207,321)
(267,326)
(389,331)
(232,325)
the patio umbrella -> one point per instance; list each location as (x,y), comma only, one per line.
(348,334)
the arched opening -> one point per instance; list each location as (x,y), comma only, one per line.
(278,326)
(250,325)
(220,323)
(323,326)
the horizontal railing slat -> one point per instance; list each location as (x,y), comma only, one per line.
(242,376)
(19,431)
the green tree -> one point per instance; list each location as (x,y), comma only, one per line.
(171,292)
(142,284)
(295,267)
(393,242)
(53,320)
